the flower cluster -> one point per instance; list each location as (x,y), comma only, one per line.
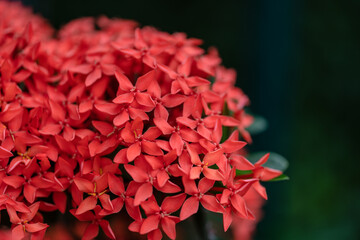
(108,117)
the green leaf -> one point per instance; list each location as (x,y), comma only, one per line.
(226,110)
(243,172)
(275,161)
(282,177)
(212,79)
(226,133)
(259,125)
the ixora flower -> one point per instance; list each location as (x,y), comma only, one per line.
(101,122)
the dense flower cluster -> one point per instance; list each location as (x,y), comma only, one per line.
(109,117)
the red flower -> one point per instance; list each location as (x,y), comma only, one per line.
(23,223)
(141,51)
(95,220)
(117,187)
(139,142)
(107,115)
(182,81)
(203,166)
(96,190)
(161,215)
(198,194)
(179,135)
(127,93)
(233,201)
(263,174)
(142,173)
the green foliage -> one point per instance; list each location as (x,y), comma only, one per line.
(243,172)
(275,161)
(282,177)
(259,125)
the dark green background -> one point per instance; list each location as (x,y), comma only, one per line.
(299,62)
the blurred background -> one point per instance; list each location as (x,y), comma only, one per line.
(299,62)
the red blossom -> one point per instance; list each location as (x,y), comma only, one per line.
(161,215)
(23,223)
(99,120)
(95,220)
(198,195)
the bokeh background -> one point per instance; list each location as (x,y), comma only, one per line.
(299,62)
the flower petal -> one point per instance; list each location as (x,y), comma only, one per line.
(212,158)
(217,132)
(105,226)
(84,185)
(124,98)
(138,174)
(143,82)
(163,125)
(151,148)
(103,127)
(60,200)
(4,153)
(150,223)
(190,207)
(93,77)
(50,129)
(57,111)
(69,133)
(29,193)
(17,233)
(173,100)
(120,157)
(241,163)
(260,189)
(171,73)
(205,185)
(152,133)
(168,225)
(83,69)
(14,181)
(162,178)
(121,118)
(195,172)
(239,204)
(14,218)
(194,156)
(144,192)
(232,146)
(106,202)
(124,82)
(190,186)
(116,185)
(87,204)
(173,203)
(155,235)
(132,210)
(262,160)
(35,227)
(144,99)
(133,151)
(91,231)
(210,203)
(177,143)
(212,174)
(227,219)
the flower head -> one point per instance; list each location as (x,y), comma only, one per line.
(118,118)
